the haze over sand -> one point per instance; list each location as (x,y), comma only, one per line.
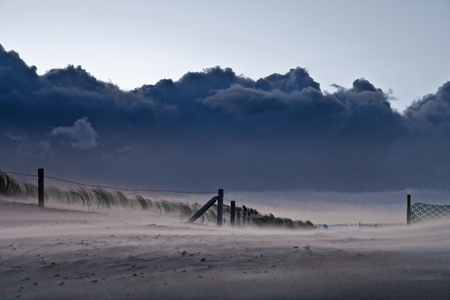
(66,252)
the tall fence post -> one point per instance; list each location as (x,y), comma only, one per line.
(408,209)
(220,208)
(232,213)
(41,188)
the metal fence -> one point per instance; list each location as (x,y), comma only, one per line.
(422,212)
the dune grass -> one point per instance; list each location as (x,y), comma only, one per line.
(98,197)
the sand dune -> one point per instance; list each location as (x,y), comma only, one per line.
(65,252)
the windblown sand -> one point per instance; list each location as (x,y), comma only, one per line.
(66,252)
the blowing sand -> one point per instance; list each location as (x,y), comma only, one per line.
(66,252)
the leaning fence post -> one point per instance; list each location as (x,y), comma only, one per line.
(41,188)
(408,210)
(220,208)
(203,209)
(232,213)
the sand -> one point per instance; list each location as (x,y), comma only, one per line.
(67,252)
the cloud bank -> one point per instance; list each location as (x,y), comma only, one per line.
(215,129)
(82,134)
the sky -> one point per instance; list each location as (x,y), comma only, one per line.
(318,106)
(397,45)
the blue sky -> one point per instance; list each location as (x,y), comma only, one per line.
(401,46)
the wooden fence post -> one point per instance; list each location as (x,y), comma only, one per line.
(41,188)
(203,209)
(238,217)
(232,213)
(220,208)
(408,209)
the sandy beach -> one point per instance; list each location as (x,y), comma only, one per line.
(67,252)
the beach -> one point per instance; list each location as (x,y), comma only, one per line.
(70,252)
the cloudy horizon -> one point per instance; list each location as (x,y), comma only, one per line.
(315,106)
(215,129)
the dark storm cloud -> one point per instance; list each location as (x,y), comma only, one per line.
(433,109)
(253,103)
(215,129)
(15,75)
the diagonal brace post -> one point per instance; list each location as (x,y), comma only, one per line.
(202,210)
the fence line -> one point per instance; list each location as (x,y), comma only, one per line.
(115,188)
(199,213)
(423,212)
(240,216)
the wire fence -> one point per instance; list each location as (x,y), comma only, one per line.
(96,196)
(114,188)
(99,196)
(422,212)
